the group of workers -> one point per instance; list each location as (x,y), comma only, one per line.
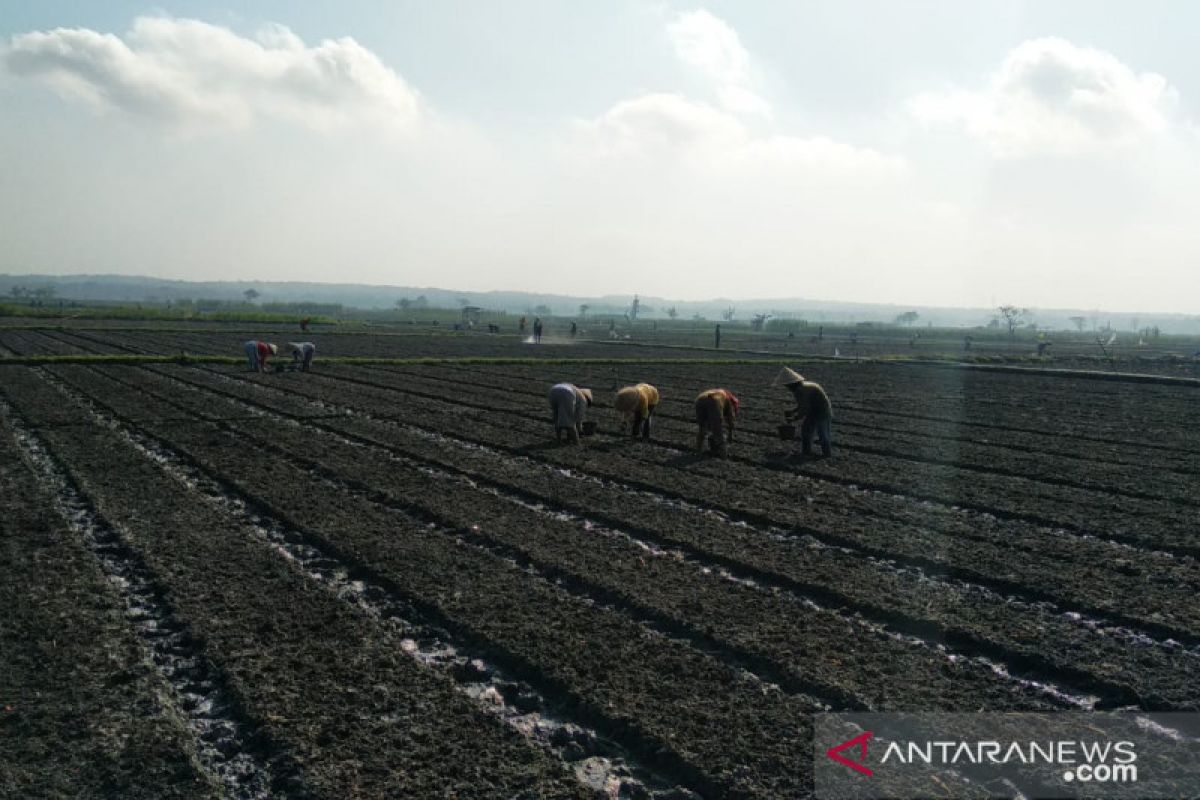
(258,353)
(716,412)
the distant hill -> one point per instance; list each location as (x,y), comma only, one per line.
(137,289)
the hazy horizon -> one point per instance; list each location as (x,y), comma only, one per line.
(916,153)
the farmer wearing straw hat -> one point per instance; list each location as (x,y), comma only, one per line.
(257,354)
(568,405)
(812,407)
(716,412)
(636,406)
(302,354)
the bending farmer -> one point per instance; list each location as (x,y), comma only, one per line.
(302,354)
(636,406)
(716,412)
(568,407)
(257,354)
(812,406)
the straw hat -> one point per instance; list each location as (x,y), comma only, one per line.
(587,395)
(786,377)
(274,349)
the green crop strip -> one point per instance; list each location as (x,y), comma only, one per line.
(189,359)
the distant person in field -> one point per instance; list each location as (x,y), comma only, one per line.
(537,329)
(521,326)
(636,406)
(257,354)
(302,354)
(716,413)
(574,329)
(717,336)
(568,406)
(812,408)
(304,324)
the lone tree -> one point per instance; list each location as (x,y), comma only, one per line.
(1079,322)
(728,313)
(251,295)
(758,321)
(634,308)
(907,318)
(543,310)
(1013,318)
(583,309)
(672,312)
(403,304)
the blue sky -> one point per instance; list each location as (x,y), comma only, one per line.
(1043,154)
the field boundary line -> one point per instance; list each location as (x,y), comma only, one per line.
(767,359)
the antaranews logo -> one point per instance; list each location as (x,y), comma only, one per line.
(1083,760)
(861,741)
(1052,755)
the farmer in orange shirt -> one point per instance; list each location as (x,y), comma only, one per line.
(636,406)
(716,412)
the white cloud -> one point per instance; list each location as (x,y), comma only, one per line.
(666,127)
(712,46)
(1050,96)
(655,123)
(192,73)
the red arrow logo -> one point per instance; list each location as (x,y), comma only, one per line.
(860,741)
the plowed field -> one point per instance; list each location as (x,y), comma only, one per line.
(389,581)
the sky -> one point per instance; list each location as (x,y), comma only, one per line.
(1041,154)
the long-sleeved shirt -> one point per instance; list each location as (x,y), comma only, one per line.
(723,400)
(569,405)
(635,402)
(811,401)
(264,352)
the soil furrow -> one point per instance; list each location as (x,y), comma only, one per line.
(679,709)
(197,692)
(83,713)
(901,601)
(1000,491)
(777,635)
(910,537)
(319,679)
(599,764)
(963,455)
